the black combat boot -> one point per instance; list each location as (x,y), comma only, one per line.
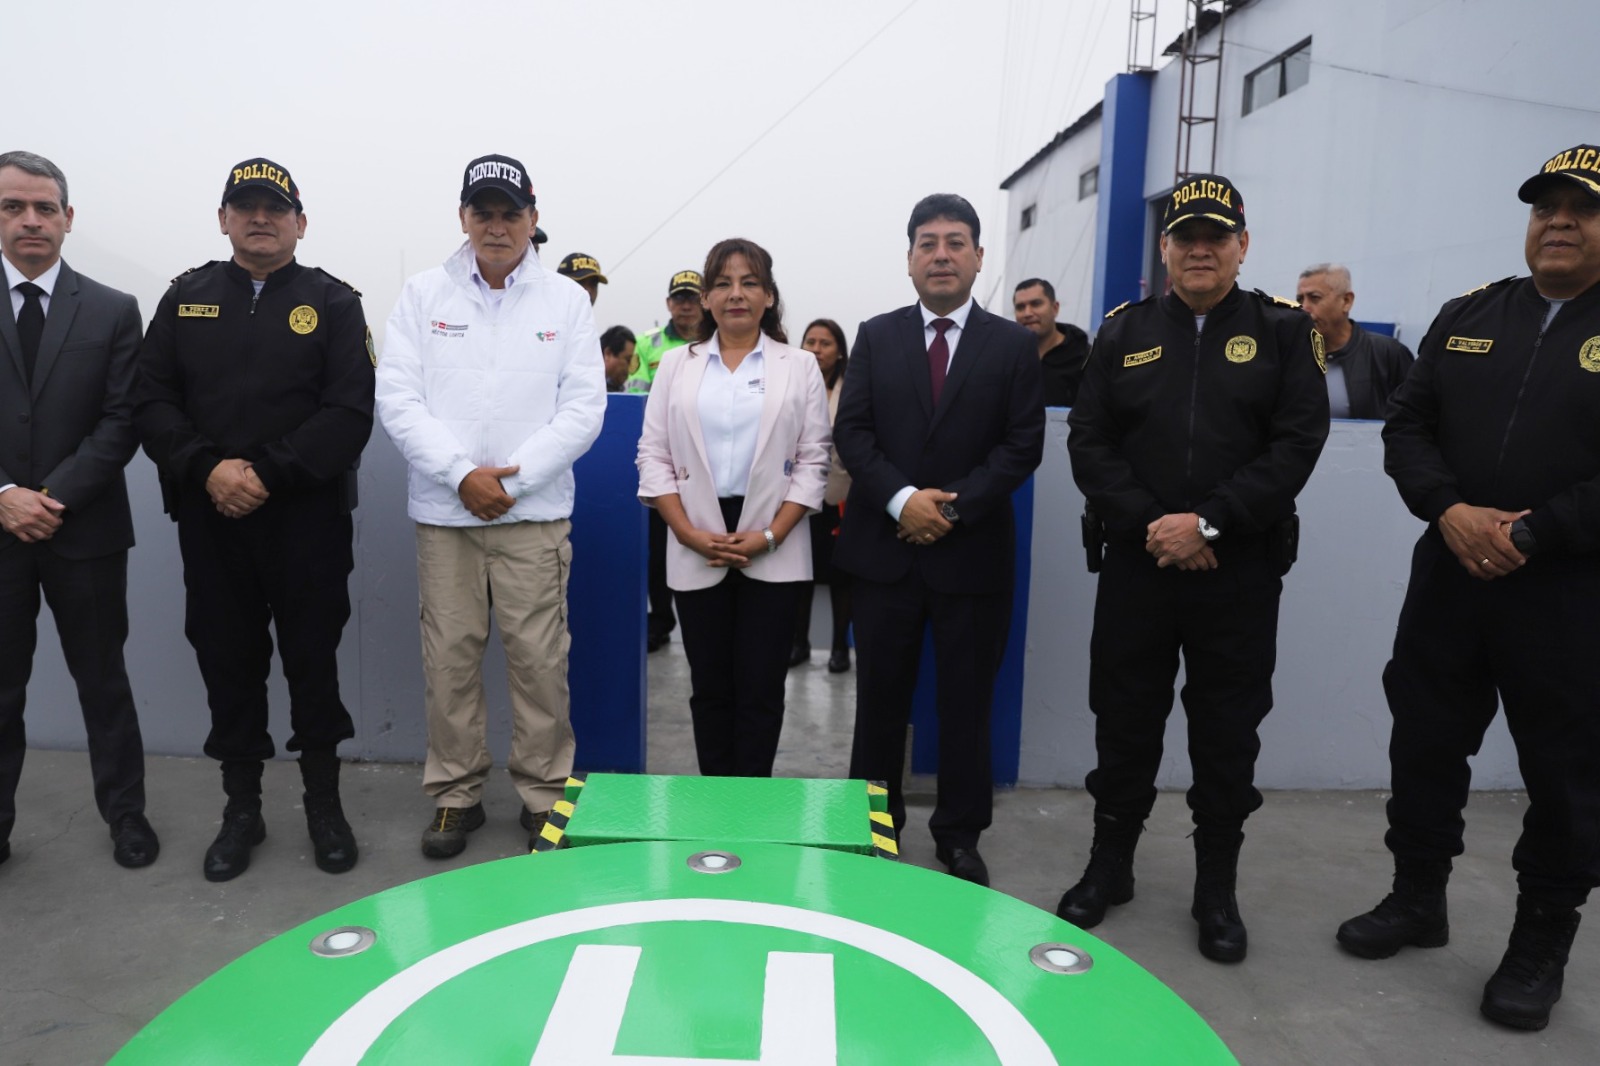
(1108,879)
(1528,982)
(242,827)
(1413,915)
(331,837)
(1216,865)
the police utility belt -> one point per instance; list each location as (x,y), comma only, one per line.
(1281,542)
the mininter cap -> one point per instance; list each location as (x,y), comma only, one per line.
(259,173)
(1208,196)
(1580,165)
(686,281)
(500,173)
(581,267)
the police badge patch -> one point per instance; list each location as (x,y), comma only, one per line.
(372,351)
(1320,350)
(303,319)
(1589,355)
(1240,349)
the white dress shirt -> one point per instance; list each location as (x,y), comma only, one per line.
(730,414)
(952,337)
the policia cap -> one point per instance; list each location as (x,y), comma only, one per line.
(1580,165)
(1204,196)
(259,173)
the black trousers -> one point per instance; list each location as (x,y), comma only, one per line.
(736,635)
(285,565)
(1225,624)
(1530,638)
(660,620)
(969,640)
(89,598)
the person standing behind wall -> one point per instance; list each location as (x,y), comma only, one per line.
(1364,368)
(255,400)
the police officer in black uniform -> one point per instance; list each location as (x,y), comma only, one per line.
(254,398)
(1200,417)
(1494,441)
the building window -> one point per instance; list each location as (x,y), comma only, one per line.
(1089,182)
(1277,77)
(1029,213)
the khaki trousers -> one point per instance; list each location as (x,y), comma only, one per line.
(519,570)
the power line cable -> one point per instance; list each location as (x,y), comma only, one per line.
(747,149)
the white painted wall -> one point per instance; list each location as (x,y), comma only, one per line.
(1059,246)
(1330,723)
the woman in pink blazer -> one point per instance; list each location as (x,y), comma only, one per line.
(734,455)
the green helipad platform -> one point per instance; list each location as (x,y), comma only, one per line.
(671,953)
(622,808)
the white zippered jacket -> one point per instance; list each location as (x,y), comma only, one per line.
(462,385)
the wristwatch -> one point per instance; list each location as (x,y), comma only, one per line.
(1207,530)
(772,541)
(948,510)
(1522,538)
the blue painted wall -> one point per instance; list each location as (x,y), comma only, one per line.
(1119,223)
(606,596)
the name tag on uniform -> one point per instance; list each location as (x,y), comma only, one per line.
(198,310)
(756,387)
(1468,344)
(1141,358)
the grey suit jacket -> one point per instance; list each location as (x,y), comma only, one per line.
(72,431)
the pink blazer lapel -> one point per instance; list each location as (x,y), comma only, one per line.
(777,372)
(687,400)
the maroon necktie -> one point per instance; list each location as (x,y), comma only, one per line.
(939,357)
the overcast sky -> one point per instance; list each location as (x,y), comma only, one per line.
(816,123)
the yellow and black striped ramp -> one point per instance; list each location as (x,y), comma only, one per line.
(554,833)
(884,844)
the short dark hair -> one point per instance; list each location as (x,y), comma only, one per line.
(1049,289)
(760,261)
(615,339)
(39,167)
(942,205)
(838,338)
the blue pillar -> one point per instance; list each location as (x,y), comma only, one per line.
(606,596)
(1119,225)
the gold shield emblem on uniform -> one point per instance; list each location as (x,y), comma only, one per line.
(372,351)
(1589,355)
(303,319)
(1319,349)
(1240,350)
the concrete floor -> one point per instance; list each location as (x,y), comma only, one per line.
(90,952)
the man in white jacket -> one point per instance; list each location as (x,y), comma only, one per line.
(492,385)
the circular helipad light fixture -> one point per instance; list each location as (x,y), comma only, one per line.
(345,940)
(1061,958)
(713,862)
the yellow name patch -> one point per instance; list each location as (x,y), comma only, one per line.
(303,319)
(198,310)
(1141,358)
(1474,345)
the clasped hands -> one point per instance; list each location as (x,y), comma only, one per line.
(920,519)
(29,516)
(1480,539)
(733,550)
(482,494)
(1175,540)
(235,489)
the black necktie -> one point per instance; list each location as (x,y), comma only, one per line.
(30,326)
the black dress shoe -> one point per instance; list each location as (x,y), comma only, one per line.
(799,654)
(839,661)
(656,641)
(964,863)
(133,842)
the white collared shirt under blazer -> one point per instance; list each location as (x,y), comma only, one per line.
(790,464)
(465,382)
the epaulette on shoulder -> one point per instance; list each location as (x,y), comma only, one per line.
(1280,301)
(191,270)
(1488,285)
(1124,305)
(341,281)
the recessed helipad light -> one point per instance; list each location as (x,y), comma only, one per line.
(345,940)
(1061,958)
(713,862)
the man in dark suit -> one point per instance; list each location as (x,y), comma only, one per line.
(67,349)
(941,419)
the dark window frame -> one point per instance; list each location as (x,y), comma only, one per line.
(1276,68)
(1090,177)
(1030,215)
